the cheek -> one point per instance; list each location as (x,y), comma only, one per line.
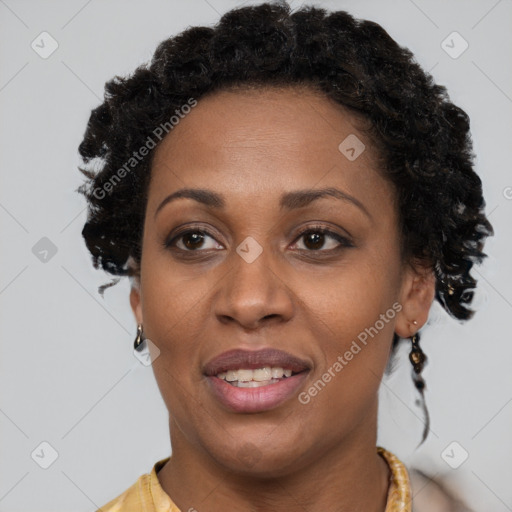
(172,299)
(353,331)
(353,317)
(351,298)
(175,310)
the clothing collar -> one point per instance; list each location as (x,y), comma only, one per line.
(399,491)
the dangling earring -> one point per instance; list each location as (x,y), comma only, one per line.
(139,340)
(418,360)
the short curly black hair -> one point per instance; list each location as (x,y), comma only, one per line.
(423,137)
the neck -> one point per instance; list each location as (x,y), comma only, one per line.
(348,477)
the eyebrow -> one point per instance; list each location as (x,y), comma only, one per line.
(289,200)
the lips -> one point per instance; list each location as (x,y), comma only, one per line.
(265,396)
(254,359)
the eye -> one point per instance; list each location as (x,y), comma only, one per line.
(315,238)
(192,240)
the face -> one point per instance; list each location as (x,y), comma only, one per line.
(265,272)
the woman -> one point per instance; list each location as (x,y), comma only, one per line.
(289,192)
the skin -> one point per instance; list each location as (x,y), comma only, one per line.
(252,146)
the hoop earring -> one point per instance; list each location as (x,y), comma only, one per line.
(418,360)
(139,339)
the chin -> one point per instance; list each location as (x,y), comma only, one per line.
(258,459)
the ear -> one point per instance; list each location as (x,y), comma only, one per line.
(416,296)
(136,301)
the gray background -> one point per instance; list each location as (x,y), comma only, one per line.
(68,375)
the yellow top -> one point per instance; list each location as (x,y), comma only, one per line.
(147,495)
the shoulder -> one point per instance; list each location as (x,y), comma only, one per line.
(425,493)
(145,494)
(130,500)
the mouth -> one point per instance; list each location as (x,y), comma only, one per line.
(247,378)
(255,381)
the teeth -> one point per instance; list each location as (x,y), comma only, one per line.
(231,376)
(247,376)
(277,373)
(244,375)
(262,374)
(254,384)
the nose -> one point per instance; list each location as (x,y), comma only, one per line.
(254,294)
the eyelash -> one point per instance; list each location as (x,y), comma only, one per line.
(343,241)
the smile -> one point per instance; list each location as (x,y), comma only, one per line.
(247,378)
(245,381)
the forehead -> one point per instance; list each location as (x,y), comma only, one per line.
(250,143)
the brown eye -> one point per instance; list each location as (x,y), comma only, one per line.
(314,239)
(192,240)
